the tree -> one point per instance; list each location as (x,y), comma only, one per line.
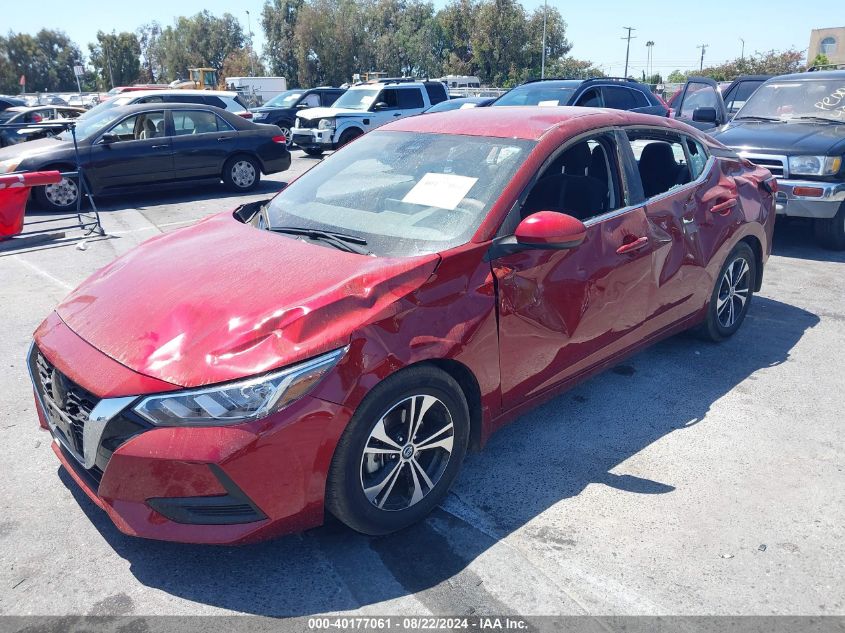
(149,39)
(331,42)
(676,77)
(820,60)
(278,20)
(454,26)
(557,46)
(574,68)
(116,58)
(202,40)
(243,63)
(47,61)
(498,41)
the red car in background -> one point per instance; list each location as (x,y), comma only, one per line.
(341,346)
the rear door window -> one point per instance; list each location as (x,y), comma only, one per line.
(619,98)
(410,98)
(197,122)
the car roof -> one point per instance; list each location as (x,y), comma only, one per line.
(138,94)
(816,74)
(524,122)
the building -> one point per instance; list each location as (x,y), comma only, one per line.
(829,42)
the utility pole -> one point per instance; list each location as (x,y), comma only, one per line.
(628,49)
(249,52)
(742,54)
(543,57)
(703,48)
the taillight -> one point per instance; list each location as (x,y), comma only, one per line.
(246,114)
(281,138)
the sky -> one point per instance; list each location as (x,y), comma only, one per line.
(594,28)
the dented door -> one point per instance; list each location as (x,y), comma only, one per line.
(563,311)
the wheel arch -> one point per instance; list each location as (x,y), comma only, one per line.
(757,248)
(472,392)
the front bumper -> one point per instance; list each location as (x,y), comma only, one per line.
(214,485)
(824,205)
(310,138)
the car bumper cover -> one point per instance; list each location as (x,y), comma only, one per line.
(313,139)
(824,202)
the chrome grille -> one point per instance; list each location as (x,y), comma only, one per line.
(66,404)
(775,164)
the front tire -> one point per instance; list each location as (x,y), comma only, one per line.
(830,232)
(62,196)
(241,173)
(400,452)
(731,295)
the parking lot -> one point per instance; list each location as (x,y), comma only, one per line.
(692,479)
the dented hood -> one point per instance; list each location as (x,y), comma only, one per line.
(222,300)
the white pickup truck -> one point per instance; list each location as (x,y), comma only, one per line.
(361,109)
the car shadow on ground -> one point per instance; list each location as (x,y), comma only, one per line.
(548,455)
(794,238)
(157,196)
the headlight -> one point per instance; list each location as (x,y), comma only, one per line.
(9,165)
(327,124)
(814,165)
(237,402)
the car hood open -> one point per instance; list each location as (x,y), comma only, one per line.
(221,300)
(783,138)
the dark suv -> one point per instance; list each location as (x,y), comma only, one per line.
(281,110)
(603,92)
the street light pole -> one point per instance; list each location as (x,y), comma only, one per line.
(650,62)
(742,54)
(249,51)
(543,57)
(628,49)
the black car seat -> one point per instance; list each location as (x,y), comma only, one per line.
(659,170)
(572,191)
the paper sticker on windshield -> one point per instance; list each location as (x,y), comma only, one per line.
(552,102)
(440,190)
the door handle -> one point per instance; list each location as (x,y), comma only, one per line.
(223,138)
(398,114)
(631,247)
(160,146)
(723,208)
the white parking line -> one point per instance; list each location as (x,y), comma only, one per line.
(43,273)
(154,227)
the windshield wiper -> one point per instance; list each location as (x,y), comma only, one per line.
(758,118)
(810,117)
(341,241)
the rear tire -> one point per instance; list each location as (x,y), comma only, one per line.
(400,452)
(241,173)
(62,196)
(731,295)
(285,128)
(313,152)
(830,232)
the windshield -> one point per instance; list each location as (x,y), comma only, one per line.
(285,99)
(108,104)
(357,99)
(89,125)
(785,100)
(542,94)
(405,193)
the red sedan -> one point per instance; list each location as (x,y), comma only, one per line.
(342,346)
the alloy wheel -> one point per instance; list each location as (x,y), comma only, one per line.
(63,193)
(407,452)
(243,174)
(734,290)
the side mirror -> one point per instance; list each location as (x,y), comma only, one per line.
(548,229)
(302,106)
(704,115)
(381,105)
(108,139)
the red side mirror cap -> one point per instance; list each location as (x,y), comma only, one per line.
(551,230)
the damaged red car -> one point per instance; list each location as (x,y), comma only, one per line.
(340,347)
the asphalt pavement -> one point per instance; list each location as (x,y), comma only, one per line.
(692,479)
